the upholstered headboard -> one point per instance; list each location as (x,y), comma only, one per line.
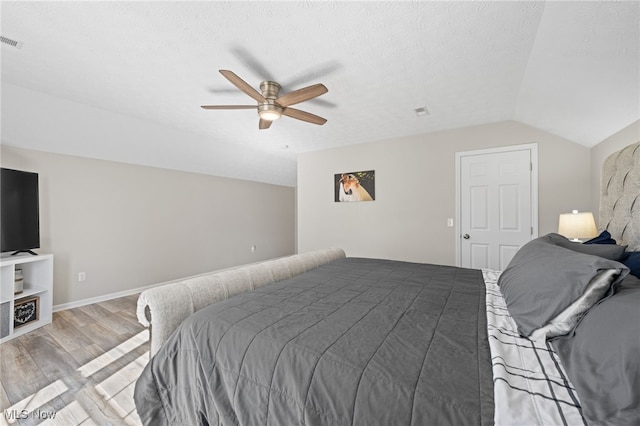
(620,196)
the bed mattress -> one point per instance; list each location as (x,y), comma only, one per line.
(353,342)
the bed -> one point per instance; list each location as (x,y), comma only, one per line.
(553,339)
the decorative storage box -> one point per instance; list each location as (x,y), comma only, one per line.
(5,317)
(18,282)
(25,311)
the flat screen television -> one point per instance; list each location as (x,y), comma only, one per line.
(20,215)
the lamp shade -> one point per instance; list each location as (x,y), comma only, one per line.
(577,225)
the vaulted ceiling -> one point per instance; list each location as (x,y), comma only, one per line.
(569,68)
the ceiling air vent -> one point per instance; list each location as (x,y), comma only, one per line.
(421,112)
(10,42)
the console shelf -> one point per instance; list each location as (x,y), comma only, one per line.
(38,282)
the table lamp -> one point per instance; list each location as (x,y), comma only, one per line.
(577,225)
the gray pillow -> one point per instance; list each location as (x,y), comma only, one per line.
(608,251)
(543,279)
(602,361)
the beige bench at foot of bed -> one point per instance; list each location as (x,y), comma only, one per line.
(164,307)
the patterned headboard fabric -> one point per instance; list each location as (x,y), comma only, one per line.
(620,196)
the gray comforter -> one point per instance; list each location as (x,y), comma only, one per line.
(356,341)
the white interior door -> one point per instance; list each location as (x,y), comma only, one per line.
(496,202)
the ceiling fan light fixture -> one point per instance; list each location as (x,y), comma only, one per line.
(269,112)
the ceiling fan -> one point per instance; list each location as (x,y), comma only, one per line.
(271,106)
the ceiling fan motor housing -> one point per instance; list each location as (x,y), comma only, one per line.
(270,89)
(269,110)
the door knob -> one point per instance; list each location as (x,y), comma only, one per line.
(466,236)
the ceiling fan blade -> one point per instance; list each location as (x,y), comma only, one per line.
(242,85)
(303,115)
(264,124)
(252,63)
(301,95)
(228,106)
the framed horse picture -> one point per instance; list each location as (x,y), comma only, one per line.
(355,186)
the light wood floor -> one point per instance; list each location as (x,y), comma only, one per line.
(81,368)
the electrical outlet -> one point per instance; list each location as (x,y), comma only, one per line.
(253,249)
(450,222)
(81,276)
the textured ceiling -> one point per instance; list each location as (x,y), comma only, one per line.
(569,68)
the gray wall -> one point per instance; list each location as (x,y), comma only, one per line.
(129,226)
(415,191)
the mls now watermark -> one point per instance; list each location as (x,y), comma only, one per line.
(26,414)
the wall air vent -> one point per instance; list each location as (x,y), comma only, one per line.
(10,42)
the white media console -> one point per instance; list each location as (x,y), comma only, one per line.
(32,308)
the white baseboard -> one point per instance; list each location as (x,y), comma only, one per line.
(98,299)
